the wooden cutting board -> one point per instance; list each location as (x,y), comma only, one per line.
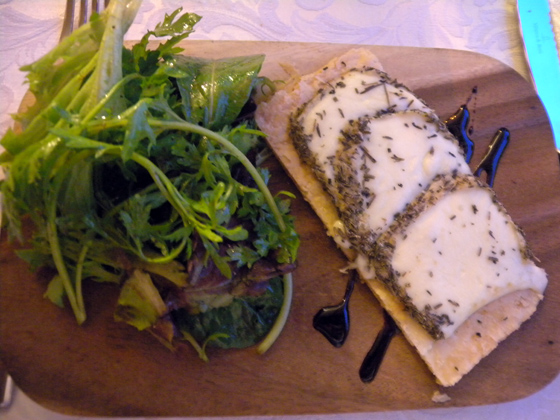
(109,369)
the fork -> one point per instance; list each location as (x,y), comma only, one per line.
(87,8)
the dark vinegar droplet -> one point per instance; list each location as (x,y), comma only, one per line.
(473,97)
(372,361)
(457,125)
(334,321)
(490,161)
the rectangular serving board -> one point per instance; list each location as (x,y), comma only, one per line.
(104,368)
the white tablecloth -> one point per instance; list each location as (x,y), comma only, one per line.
(28,28)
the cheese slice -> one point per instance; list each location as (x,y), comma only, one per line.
(452,252)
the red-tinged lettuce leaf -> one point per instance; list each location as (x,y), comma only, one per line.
(242,323)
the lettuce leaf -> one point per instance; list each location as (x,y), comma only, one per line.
(213,92)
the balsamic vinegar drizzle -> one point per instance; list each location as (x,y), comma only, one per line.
(334,321)
(489,163)
(457,125)
(375,355)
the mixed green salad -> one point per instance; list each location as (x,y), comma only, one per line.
(142,167)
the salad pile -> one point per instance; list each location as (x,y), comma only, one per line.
(142,167)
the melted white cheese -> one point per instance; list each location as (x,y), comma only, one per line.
(355,95)
(403,153)
(462,254)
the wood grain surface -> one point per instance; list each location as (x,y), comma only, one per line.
(109,369)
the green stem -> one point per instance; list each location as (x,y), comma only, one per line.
(58,259)
(74,294)
(165,258)
(282,318)
(79,271)
(159,176)
(56,252)
(113,92)
(226,144)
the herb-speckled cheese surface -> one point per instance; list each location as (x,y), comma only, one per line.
(398,156)
(358,93)
(461,254)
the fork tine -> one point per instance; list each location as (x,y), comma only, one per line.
(68,23)
(87,8)
(84,12)
(98,5)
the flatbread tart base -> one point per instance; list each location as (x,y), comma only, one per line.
(448,359)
